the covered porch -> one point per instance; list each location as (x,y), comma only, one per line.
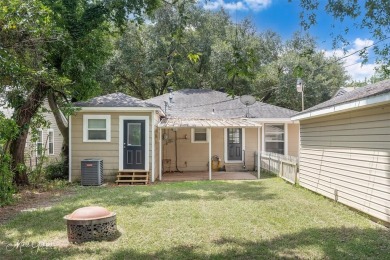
(191,159)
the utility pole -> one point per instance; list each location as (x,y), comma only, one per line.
(300,88)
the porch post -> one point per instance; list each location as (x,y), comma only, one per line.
(160,155)
(153,147)
(258,153)
(209,130)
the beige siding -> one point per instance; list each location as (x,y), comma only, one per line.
(346,157)
(108,151)
(190,156)
(293,139)
(30,150)
(250,147)
(195,156)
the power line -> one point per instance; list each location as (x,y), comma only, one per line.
(365,48)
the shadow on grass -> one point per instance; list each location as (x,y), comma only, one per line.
(330,243)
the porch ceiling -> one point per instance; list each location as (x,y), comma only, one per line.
(207,123)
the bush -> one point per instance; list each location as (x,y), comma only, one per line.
(7,188)
(55,171)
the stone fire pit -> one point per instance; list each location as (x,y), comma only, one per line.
(91,223)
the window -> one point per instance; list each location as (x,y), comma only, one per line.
(50,139)
(134,134)
(234,135)
(274,138)
(39,143)
(199,135)
(97,128)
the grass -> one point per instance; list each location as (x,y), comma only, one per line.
(264,219)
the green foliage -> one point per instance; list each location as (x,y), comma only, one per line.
(7,188)
(54,171)
(8,131)
(266,219)
(370,15)
(214,53)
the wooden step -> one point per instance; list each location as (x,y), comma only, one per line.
(130,176)
(127,171)
(133,177)
(131,181)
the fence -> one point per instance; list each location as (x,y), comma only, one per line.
(285,166)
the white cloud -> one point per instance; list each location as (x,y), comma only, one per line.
(255,5)
(258,5)
(353,63)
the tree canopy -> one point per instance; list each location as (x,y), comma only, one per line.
(370,15)
(56,48)
(212,52)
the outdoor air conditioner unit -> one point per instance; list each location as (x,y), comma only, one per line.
(91,172)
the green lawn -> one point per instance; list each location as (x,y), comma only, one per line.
(264,219)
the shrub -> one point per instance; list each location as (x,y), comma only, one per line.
(55,170)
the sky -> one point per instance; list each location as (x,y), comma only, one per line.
(282,16)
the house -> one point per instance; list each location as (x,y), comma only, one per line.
(49,140)
(187,130)
(345,149)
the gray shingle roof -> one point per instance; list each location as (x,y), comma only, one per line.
(343,91)
(201,103)
(359,93)
(115,100)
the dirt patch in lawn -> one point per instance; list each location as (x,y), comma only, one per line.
(29,200)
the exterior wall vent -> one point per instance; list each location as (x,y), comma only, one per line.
(91,172)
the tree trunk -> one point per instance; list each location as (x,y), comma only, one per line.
(63,127)
(24,114)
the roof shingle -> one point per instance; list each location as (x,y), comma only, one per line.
(115,100)
(375,89)
(211,104)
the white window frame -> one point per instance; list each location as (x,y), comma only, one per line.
(193,136)
(275,141)
(85,128)
(48,141)
(36,144)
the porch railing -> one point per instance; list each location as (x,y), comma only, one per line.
(285,166)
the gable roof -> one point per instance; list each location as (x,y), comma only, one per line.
(342,91)
(359,94)
(211,104)
(115,100)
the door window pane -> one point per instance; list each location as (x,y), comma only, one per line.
(234,136)
(134,134)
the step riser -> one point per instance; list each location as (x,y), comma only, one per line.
(133,177)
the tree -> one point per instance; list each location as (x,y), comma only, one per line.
(189,52)
(371,15)
(322,76)
(56,48)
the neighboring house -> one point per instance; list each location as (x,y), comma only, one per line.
(179,131)
(49,141)
(345,149)
(342,91)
